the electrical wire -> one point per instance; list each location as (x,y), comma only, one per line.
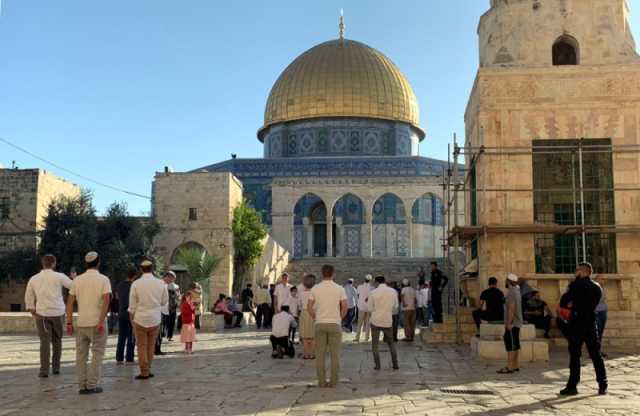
(86,178)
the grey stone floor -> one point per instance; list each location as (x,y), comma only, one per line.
(232,374)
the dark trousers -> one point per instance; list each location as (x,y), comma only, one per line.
(436,304)
(394,328)
(228,318)
(158,347)
(50,333)
(197,322)
(263,315)
(388,339)
(480,315)
(126,341)
(585,334)
(347,322)
(601,322)
(170,324)
(541,322)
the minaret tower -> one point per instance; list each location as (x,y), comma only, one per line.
(534,33)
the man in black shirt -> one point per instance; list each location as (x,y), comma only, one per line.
(537,312)
(246,297)
(493,301)
(125,330)
(438,283)
(582,297)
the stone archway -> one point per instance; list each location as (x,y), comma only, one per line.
(390,230)
(310,234)
(427,220)
(348,214)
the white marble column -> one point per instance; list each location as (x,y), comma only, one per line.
(340,237)
(369,226)
(410,225)
(329,234)
(308,231)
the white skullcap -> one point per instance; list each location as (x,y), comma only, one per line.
(90,257)
(512,278)
(368,278)
(405,282)
(146,263)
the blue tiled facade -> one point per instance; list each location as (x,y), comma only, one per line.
(257,174)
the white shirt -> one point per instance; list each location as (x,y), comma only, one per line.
(408,298)
(282,293)
(44,293)
(89,289)
(363,293)
(146,301)
(423,297)
(383,302)
(294,305)
(352,295)
(304,297)
(327,296)
(281,323)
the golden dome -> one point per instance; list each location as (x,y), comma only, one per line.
(342,78)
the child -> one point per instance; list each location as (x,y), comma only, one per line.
(282,324)
(187,316)
(294,309)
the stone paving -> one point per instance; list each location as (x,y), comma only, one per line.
(232,374)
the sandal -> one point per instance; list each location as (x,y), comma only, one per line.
(505,370)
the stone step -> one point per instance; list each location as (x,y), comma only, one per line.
(530,351)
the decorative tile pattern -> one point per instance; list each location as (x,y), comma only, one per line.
(352,240)
(299,241)
(402,241)
(338,141)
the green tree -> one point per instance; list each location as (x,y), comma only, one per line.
(19,265)
(124,240)
(200,266)
(248,241)
(70,230)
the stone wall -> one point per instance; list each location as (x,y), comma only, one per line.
(272,263)
(213,196)
(522,32)
(12,293)
(512,107)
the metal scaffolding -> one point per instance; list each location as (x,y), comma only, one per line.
(457,189)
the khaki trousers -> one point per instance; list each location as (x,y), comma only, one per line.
(146,342)
(363,323)
(410,324)
(50,333)
(88,338)
(328,339)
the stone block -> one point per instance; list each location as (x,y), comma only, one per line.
(496,332)
(494,350)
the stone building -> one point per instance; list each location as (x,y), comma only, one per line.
(341,177)
(25,195)
(553,148)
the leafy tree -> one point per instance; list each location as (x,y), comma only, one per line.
(70,230)
(19,265)
(200,266)
(248,236)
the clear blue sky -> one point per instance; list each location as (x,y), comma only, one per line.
(118,89)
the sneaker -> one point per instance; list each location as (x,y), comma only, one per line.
(141,377)
(569,391)
(83,391)
(603,389)
(94,390)
(43,375)
(395,367)
(160,353)
(56,372)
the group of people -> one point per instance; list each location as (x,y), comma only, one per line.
(581,317)
(323,311)
(147,305)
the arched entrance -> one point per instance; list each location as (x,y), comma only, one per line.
(310,235)
(427,220)
(390,231)
(348,214)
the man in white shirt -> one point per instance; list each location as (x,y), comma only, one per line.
(422,301)
(92,291)
(408,296)
(382,304)
(327,306)
(147,300)
(282,323)
(281,292)
(43,299)
(363,292)
(352,299)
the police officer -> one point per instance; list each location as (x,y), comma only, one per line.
(582,298)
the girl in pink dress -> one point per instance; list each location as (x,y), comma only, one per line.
(188,316)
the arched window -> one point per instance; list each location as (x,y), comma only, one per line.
(565,51)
